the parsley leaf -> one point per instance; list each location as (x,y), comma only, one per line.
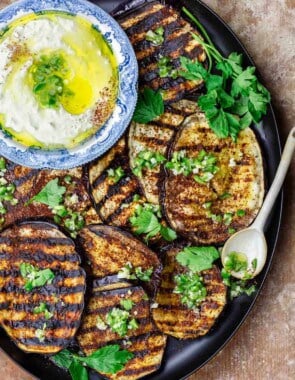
(77,371)
(197,259)
(51,194)
(146,221)
(150,105)
(243,82)
(109,359)
(192,70)
(63,359)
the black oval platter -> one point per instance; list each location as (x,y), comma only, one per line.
(184,357)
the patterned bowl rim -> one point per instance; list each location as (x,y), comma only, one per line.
(118,122)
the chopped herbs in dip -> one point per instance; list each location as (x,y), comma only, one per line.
(35,277)
(42,308)
(130,273)
(156,37)
(120,321)
(115,175)
(109,359)
(191,289)
(146,221)
(147,160)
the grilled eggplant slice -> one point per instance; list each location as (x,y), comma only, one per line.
(29,182)
(208,213)
(44,247)
(178,42)
(156,137)
(174,318)
(114,201)
(109,249)
(145,342)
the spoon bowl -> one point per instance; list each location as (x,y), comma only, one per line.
(251,243)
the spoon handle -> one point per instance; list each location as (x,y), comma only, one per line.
(277,183)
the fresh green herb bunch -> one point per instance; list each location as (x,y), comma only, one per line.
(235,98)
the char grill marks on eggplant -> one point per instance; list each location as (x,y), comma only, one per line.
(205,213)
(174,318)
(30,182)
(178,42)
(44,247)
(156,137)
(114,202)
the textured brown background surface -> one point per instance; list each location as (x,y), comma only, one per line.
(263,349)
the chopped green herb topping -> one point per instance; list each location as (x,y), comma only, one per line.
(127,304)
(227,218)
(109,359)
(150,105)
(166,69)
(40,333)
(241,213)
(156,37)
(115,175)
(100,324)
(120,322)
(35,277)
(147,160)
(197,259)
(42,308)
(237,287)
(130,273)
(47,75)
(191,288)
(204,162)
(236,262)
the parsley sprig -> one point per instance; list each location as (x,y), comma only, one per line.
(109,359)
(235,98)
(52,195)
(146,221)
(197,259)
(150,105)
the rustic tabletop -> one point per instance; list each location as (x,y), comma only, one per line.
(263,348)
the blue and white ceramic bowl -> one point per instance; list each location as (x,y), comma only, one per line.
(114,128)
